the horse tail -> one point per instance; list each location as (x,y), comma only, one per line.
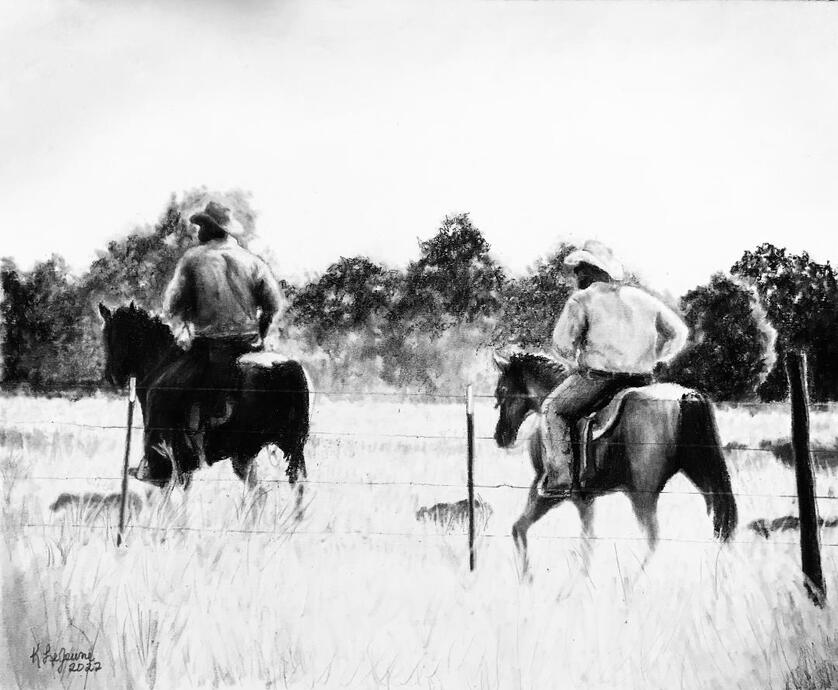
(309,400)
(302,404)
(304,401)
(701,459)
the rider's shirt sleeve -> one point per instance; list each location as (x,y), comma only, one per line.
(268,296)
(569,329)
(672,333)
(178,301)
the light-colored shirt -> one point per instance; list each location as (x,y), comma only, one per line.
(618,328)
(220,288)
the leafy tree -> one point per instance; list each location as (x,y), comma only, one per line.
(349,296)
(43,315)
(14,316)
(455,279)
(532,303)
(139,266)
(730,350)
(801,299)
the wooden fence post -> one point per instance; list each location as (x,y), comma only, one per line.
(810,548)
(132,396)
(470,468)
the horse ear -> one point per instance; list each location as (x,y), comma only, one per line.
(131,306)
(104,312)
(501,362)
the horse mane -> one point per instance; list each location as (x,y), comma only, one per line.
(147,328)
(540,366)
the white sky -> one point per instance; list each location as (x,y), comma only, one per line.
(680,134)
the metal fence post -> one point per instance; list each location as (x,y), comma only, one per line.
(470,445)
(132,396)
(810,550)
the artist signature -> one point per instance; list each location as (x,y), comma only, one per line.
(61,660)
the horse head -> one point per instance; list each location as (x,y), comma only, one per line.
(132,340)
(525,380)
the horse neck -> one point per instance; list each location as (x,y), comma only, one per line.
(156,346)
(540,386)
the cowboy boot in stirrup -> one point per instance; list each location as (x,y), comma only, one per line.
(585,459)
(552,485)
(579,463)
(587,474)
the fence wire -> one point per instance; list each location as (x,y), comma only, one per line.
(412,536)
(434,485)
(734,447)
(407,436)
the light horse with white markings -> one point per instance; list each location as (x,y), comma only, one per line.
(645,436)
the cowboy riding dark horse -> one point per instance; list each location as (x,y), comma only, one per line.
(609,337)
(223,298)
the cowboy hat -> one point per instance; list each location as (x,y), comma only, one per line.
(217,216)
(598,255)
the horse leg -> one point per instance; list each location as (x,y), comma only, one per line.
(645,505)
(296,468)
(245,469)
(174,480)
(535,509)
(253,497)
(586,516)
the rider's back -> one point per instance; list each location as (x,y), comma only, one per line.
(219,287)
(624,327)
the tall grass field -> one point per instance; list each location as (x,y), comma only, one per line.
(222,587)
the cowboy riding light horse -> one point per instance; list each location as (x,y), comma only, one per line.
(607,341)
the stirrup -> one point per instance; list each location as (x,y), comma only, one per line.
(213,421)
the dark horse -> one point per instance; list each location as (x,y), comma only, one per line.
(663,429)
(272,406)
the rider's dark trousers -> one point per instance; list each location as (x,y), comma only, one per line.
(204,376)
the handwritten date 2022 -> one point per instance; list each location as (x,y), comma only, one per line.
(61,660)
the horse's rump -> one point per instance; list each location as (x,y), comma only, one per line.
(678,425)
(635,420)
(272,405)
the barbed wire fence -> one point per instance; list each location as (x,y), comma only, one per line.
(421,437)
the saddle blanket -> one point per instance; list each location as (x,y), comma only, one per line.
(262,359)
(602,420)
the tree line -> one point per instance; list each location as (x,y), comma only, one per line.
(431,325)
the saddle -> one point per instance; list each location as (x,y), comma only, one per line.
(604,416)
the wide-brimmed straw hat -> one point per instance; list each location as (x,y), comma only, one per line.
(596,254)
(217,216)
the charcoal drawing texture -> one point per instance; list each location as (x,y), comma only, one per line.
(293,234)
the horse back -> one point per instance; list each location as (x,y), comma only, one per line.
(274,402)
